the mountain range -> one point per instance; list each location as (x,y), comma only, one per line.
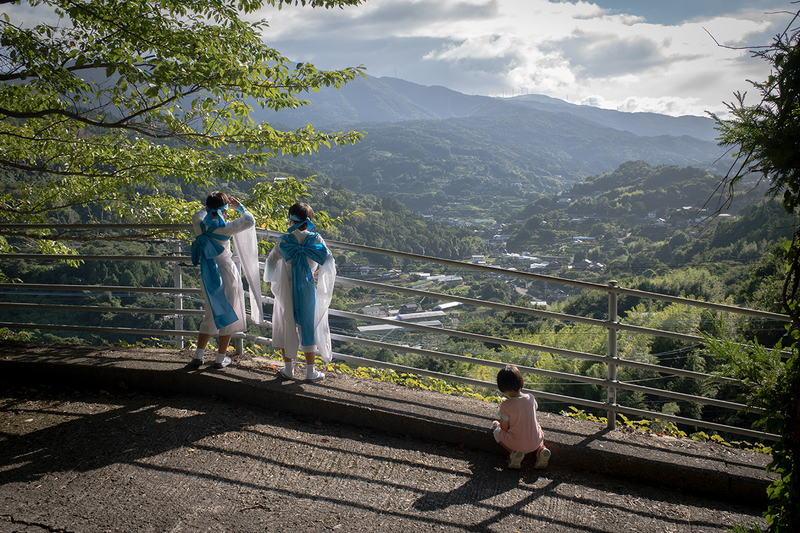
(426,139)
(395,100)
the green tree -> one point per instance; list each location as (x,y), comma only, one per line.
(767,139)
(116,104)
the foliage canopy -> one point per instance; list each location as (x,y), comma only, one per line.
(767,137)
(114,103)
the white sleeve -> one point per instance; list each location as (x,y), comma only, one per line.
(243,223)
(271,264)
(197,220)
(246,246)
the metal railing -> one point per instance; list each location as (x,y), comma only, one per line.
(611,359)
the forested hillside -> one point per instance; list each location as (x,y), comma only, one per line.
(423,141)
(386,223)
(528,152)
(644,218)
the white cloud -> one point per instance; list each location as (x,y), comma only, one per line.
(578,51)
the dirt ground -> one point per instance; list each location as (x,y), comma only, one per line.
(127,460)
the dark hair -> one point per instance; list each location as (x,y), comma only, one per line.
(510,379)
(216,200)
(302,211)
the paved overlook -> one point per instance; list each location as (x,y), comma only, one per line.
(97,440)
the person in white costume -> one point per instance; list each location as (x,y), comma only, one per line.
(300,314)
(220,280)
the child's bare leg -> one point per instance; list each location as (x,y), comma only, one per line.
(202,340)
(224,342)
(288,366)
(199,353)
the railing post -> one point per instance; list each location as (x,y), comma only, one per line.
(238,343)
(612,354)
(177,275)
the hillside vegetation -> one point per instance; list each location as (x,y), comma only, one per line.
(524,154)
(422,141)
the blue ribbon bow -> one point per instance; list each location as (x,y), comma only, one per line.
(212,222)
(303,289)
(205,249)
(300,223)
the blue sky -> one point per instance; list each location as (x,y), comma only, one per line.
(631,55)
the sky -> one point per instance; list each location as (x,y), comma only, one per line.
(657,56)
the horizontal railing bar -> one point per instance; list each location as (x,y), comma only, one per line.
(255,338)
(700,303)
(518,344)
(533,347)
(552,279)
(178,227)
(697,423)
(446,262)
(102,309)
(682,396)
(473,301)
(566,399)
(621,326)
(100,288)
(382,286)
(70,257)
(524,310)
(99,329)
(472,360)
(549,373)
(379,344)
(466,381)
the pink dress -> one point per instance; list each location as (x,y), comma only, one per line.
(524,432)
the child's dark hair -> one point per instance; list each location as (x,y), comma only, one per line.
(216,200)
(301,211)
(510,379)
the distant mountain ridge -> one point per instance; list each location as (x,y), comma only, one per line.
(395,100)
(425,144)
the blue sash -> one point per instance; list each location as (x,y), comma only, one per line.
(303,290)
(205,249)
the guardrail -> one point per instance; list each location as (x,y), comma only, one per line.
(178,293)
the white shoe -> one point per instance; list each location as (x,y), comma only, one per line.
(287,372)
(312,375)
(542,458)
(222,363)
(516,460)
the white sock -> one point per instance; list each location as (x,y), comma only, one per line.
(220,357)
(199,353)
(309,370)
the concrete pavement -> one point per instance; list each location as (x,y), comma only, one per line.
(167,448)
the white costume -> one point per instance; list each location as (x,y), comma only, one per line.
(285,332)
(243,234)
